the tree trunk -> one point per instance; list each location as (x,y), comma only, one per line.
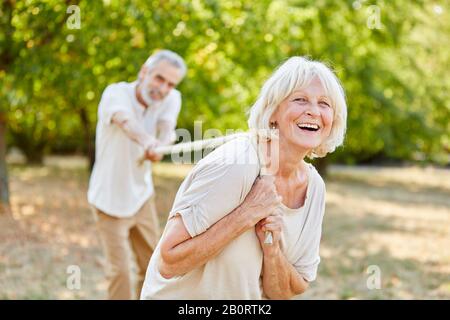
(89,140)
(321,165)
(33,149)
(6,59)
(34,156)
(4,190)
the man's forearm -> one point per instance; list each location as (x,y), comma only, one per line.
(133,129)
(280,279)
(166,133)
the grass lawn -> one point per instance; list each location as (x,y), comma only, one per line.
(396,219)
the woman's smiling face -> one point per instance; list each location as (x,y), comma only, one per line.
(304,119)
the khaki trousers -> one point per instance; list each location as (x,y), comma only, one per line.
(140,233)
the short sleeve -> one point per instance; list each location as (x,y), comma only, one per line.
(308,263)
(217,185)
(113,99)
(172,109)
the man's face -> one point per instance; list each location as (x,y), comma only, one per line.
(159,81)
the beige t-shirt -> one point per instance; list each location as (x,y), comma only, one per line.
(216,186)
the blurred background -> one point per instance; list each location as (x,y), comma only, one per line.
(388,188)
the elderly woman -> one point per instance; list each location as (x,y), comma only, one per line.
(213,246)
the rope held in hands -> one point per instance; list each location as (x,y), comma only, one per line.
(203,144)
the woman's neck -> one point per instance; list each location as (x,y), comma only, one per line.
(290,161)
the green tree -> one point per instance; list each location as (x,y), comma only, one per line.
(392,71)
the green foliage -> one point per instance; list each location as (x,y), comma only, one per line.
(395,77)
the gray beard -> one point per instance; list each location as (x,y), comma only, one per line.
(146,97)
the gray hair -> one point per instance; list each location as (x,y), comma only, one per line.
(169,56)
(297,73)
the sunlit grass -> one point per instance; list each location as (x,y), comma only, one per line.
(395,218)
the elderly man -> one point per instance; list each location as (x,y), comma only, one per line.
(133,118)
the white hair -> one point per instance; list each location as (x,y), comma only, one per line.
(169,56)
(297,73)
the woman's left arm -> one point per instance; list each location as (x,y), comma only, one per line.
(280,279)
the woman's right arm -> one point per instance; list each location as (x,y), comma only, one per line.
(180,253)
